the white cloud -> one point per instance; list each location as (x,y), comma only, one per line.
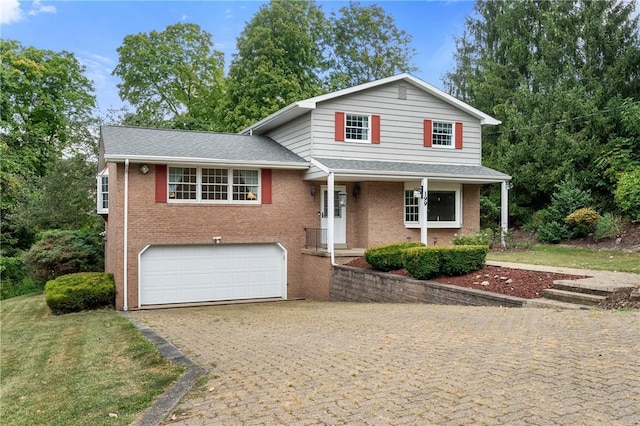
(184,17)
(228,14)
(10,11)
(37,8)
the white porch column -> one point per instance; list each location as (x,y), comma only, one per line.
(423,211)
(330,213)
(504,212)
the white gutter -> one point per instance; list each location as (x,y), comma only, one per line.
(125,239)
(150,159)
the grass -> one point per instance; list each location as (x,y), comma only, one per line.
(75,369)
(607,260)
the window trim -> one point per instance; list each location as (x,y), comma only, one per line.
(435,186)
(100,200)
(369,127)
(452,144)
(230,186)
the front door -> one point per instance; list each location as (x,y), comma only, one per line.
(339,216)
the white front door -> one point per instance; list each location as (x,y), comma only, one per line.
(339,216)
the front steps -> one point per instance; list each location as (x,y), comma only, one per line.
(576,293)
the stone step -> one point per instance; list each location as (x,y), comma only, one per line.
(573,297)
(581,287)
(554,304)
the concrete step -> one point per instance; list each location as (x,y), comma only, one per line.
(573,297)
(580,286)
(554,304)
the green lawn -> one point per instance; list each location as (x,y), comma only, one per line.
(75,369)
(608,260)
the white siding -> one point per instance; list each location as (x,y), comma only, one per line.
(401,127)
(295,136)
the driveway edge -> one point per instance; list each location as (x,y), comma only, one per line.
(167,401)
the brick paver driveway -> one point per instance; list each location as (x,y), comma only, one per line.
(298,363)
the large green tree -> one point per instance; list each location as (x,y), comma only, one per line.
(173,78)
(278,61)
(366,45)
(45,102)
(561,76)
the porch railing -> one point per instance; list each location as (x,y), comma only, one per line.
(315,238)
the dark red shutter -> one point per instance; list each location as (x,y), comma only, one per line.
(266,186)
(428,132)
(458,135)
(339,126)
(375,129)
(161,183)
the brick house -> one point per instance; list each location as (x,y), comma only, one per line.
(195,217)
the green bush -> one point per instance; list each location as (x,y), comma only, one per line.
(429,262)
(582,221)
(483,238)
(489,212)
(79,292)
(608,226)
(553,232)
(388,257)
(13,278)
(627,195)
(58,253)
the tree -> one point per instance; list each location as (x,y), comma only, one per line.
(365,45)
(173,78)
(278,61)
(560,76)
(45,103)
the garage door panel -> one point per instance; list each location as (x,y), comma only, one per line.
(197,273)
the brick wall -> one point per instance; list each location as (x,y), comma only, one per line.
(361,285)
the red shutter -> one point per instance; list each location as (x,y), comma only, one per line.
(458,135)
(161,183)
(266,186)
(375,129)
(428,132)
(339,126)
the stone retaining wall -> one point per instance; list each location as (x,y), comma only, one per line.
(362,285)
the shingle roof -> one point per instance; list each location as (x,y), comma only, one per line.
(149,145)
(391,168)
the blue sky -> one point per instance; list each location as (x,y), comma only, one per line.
(93,30)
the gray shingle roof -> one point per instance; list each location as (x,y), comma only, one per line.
(143,144)
(387,168)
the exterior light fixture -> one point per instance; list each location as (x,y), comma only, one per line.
(342,199)
(313,191)
(144,169)
(356,190)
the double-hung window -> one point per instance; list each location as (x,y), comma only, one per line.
(102,194)
(357,127)
(442,134)
(444,205)
(214,185)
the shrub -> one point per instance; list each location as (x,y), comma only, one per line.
(567,198)
(553,232)
(64,252)
(14,280)
(582,221)
(483,238)
(79,292)
(489,211)
(608,226)
(429,262)
(388,257)
(627,195)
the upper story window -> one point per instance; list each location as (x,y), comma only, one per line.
(357,127)
(102,194)
(442,134)
(200,184)
(444,205)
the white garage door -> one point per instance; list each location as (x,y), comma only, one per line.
(202,273)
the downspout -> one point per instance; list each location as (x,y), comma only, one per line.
(125,239)
(423,212)
(330,219)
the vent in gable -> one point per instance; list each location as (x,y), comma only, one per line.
(402,92)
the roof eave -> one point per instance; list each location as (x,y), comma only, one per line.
(291,165)
(411,175)
(280,117)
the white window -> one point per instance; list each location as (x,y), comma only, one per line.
(357,127)
(442,134)
(102,194)
(212,185)
(444,205)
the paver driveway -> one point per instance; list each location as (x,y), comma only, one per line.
(298,363)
